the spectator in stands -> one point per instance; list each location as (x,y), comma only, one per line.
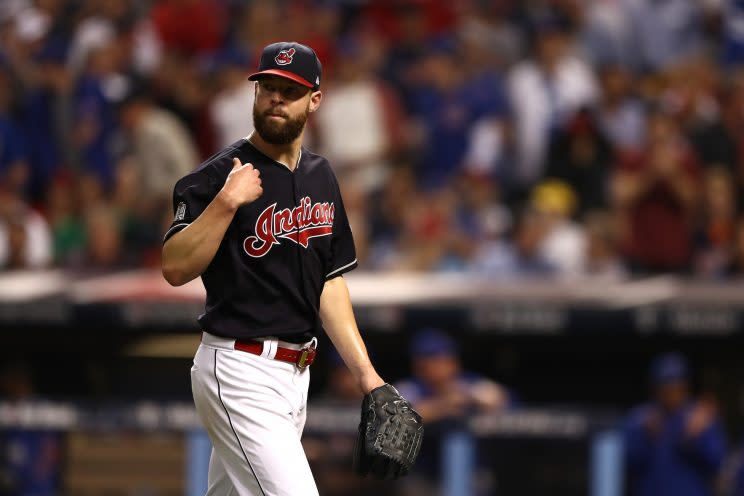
(386,212)
(697,106)
(482,58)
(360,105)
(544,91)
(142,222)
(409,47)
(235,94)
(97,26)
(105,249)
(182,86)
(431,239)
(732,17)
(440,389)
(444,394)
(563,245)
(49,118)
(607,34)
(90,191)
(692,95)
(189,27)
(657,192)
(488,30)
(716,229)
(447,104)
(254,27)
(481,214)
(63,213)
(665,32)
(603,260)
(25,240)
(98,90)
(36,56)
(162,148)
(621,114)
(580,156)
(645,34)
(674,446)
(30,460)
(14,167)
(357,204)
(728,150)
(499,257)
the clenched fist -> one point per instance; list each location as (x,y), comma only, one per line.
(243,185)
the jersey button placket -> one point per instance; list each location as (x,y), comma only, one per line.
(296,195)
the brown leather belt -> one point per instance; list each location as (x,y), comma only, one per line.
(302,358)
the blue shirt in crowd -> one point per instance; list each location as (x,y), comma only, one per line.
(670,462)
(448,118)
(11,144)
(92,106)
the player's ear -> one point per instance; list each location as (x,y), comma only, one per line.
(315,98)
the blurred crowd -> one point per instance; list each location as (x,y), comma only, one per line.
(550,138)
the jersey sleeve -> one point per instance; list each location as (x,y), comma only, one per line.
(343,254)
(191,195)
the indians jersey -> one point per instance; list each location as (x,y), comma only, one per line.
(268,273)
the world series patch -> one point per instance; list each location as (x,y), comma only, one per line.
(180,211)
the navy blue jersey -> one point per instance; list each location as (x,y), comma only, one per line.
(268,273)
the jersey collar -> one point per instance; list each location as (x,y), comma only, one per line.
(297,165)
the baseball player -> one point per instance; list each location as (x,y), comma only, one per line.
(263,223)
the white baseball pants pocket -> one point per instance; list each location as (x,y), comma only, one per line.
(254,410)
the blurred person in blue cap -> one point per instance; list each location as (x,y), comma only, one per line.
(444,393)
(674,445)
(30,458)
(440,388)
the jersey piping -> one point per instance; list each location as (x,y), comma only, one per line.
(341,268)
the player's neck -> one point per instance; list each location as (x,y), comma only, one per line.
(287,155)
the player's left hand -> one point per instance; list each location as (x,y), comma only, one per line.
(389,437)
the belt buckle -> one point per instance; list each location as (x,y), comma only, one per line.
(305,353)
(302,362)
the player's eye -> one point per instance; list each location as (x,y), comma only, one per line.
(290,92)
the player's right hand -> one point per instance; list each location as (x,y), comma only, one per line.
(243,184)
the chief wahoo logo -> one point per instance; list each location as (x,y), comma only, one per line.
(284,57)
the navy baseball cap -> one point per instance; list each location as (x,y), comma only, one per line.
(290,60)
(431,343)
(668,368)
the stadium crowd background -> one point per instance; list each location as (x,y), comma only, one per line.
(552,138)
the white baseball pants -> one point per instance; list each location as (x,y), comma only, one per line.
(254,410)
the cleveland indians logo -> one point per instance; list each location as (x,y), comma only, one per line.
(300,224)
(284,57)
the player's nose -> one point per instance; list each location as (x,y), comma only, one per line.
(276,97)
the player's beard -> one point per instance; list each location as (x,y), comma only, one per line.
(279,133)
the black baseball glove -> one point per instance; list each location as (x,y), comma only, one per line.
(389,437)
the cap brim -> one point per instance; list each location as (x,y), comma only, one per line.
(285,74)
